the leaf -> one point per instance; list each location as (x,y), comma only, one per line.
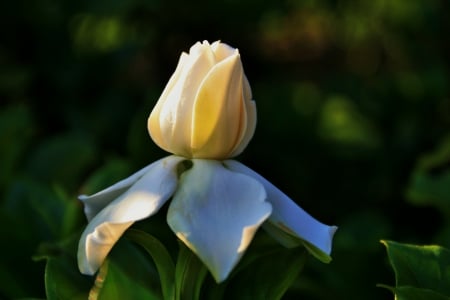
(16,131)
(430,189)
(126,274)
(430,181)
(420,267)
(268,276)
(190,273)
(160,256)
(63,157)
(111,172)
(413,293)
(62,278)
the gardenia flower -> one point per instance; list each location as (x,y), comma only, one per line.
(204,116)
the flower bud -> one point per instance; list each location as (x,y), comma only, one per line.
(205,111)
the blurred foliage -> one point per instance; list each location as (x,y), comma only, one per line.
(353,106)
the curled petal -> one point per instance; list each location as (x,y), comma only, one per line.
(95,203)
(216,213)
(289,222)
(141,200)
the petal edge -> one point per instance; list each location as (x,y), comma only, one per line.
(289,221)
(143,199)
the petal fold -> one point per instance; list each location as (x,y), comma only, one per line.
(216,213)
(289,223)
(143,199)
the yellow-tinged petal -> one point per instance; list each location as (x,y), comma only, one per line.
(222,51)
(217,110)
(249,126)
(205,110)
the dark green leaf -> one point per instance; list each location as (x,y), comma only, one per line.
(161,258)
(126,274)
(63,281)
(268,276)
(430,189)
(430,182)
(16,130)
(61,159)
(108,174)
(413,293)
(190,273)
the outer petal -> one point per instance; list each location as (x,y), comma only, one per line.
(289,221)
(216,213)
(95,203)
(141,200)
(153,123)
(249,125)
(169,123)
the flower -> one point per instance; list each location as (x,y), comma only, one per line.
(206,110)
(205,116)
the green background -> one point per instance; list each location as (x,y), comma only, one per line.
(353,119)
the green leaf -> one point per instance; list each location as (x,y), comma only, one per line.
(61,158)
(126,274)
(160,256)
(62,278)
(29,214)
(421,267)
(16,131)
(430,189)
(430,181)
(111,172)
(190,273)
(266,276)
(413,293)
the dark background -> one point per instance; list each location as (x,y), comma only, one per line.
(353,118)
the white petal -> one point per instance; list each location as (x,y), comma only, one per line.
(95,203)
(141,200)
(289,221)
(216,213)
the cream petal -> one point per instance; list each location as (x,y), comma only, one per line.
(216,114)
(216,213)
(222,51)
(175,114)
(250,126)
(153,122)
(143,199)
(289,220)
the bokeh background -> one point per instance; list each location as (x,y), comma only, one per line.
(353,118)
